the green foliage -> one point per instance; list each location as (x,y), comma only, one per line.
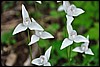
(7,38)
(36,14)
(83,20)
(53,28)
(91,13)
(57,53)
(54,14)
(78,3)
(43,43)
(89,60)
(52,5)
(64,32)
(7,5)
(30,2)
(94,32)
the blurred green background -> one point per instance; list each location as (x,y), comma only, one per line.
(54,22)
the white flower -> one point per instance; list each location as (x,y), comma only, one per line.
(39,2)
(65,6)
(84,48)
(71,10)
(26,23)
(43,59)
(72,37)
(38,35)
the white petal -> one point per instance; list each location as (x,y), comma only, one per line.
(39,2)
(46,35)
(35,26)
(24,12)
(80,38)
(89,51)
(69,19)
(20,27)
(66,43)
(47,64)
(34,39)
(47,53)
(37,61)
(66,4)
(58,1)
(78,12)
(78,49)
(60,8)
(69,29)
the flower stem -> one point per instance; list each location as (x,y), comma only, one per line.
(36,7)
(69,55)
(30,50)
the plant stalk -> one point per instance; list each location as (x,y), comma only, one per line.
(30,49)
(69,55)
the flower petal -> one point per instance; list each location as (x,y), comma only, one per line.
(60,8)
(35,26)
(89,51)
(47,53)
(46,35)
(58,1)
(69,29)
(47,64)
(66,4)
(39,2)
(78,49)
(37,61)
(24,12)
(20,27)
(78,12)
(34,39)
(66,43)
(69,19)
(80,38)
